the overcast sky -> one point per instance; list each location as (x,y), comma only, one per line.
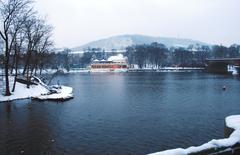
(77,22)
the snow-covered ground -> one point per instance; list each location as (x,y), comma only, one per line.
(79,70)
(148,69)
(162,68)
(232,122)
(39,91)
(22,92)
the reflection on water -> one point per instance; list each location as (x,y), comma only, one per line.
(23,129)
(123,113)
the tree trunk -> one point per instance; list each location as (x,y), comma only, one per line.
(32,69)
(27,63)
(13,62)
(16,68)
(28,78)
(7,93)
(35,73)
(41,68)
(26,66)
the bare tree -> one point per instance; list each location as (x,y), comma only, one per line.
(12,12)
(42,43)
(18,45)
(29,31)
(38,35)
(45,46)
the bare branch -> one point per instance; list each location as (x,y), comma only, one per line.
(2,35)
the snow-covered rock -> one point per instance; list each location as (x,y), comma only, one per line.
(63,93)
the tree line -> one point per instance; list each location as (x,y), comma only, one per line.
(26,39)
(153,55)
(158,55)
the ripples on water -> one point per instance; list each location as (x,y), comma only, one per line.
(123,113)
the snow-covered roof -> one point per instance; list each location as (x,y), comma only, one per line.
(96,60)
(117,58)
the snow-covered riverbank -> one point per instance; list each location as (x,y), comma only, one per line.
(145,69)
(232,122)
(39,91)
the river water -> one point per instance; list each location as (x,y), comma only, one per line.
(121,113)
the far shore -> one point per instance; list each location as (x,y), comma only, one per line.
(162,69)
(147,69)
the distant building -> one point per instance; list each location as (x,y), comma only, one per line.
(116,63)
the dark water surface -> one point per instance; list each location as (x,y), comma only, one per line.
(122,113)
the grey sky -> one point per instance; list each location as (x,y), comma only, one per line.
(77,22)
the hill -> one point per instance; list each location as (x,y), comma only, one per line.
(123,41)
